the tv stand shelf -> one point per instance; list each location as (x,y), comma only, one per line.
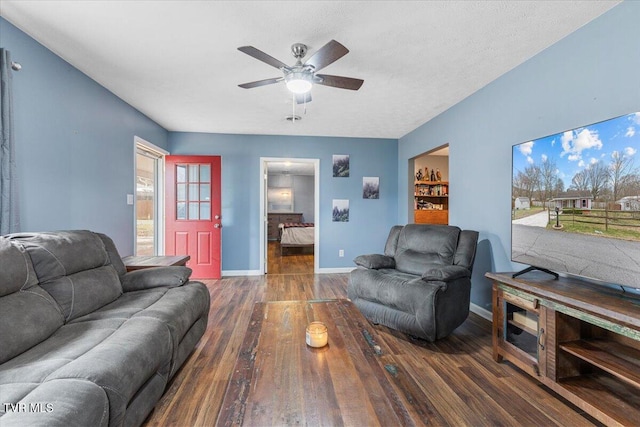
(587,339)
(523,327)
(608,356)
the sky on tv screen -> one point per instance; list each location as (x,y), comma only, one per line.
(575,150)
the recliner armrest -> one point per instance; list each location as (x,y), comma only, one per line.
(375,261)
(445,273)
(155,277)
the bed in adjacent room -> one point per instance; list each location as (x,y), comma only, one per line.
(296,235)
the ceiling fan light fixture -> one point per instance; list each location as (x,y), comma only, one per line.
(298,82)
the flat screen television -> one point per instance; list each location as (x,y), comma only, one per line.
(576,202)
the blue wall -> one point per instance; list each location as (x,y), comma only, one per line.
(591,75)
(74,145)
(369,220)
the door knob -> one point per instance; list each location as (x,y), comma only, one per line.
(217,225)
(216,217)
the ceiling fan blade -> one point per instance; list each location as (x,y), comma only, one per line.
(327,54)
(261,56)
(261,83)
(303,98)
(340,82)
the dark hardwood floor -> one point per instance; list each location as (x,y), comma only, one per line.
(458,376)
(292,261)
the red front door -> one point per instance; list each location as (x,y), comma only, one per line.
(193,218)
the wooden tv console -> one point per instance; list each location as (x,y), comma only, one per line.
(580,340)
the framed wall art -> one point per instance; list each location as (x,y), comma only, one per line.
(371,187)
(340,210)
(340,165)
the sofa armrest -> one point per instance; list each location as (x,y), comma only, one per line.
(445,273)
(155,277)
(375,261)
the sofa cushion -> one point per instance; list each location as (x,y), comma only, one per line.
(375,261)
(62,253)
(68,343)
(118,355)
(27,317)
(75,268)
(466,252)
(16,270)
(445,273)
(402,292)
(114,256)
(391,245)
(420,244)
(126,306)
(155,277)
(85,292)
(28,314)
(122,363)
(178,308)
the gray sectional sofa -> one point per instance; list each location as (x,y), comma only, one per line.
(82,342)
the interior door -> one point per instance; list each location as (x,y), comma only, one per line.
(193,220)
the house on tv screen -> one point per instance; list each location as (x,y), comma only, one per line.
(572,202)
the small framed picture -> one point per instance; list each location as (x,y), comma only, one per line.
(371,187)
(340,165)
(340,210)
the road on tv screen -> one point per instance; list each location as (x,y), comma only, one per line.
(610,260)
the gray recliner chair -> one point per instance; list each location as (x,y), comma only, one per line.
(422,284)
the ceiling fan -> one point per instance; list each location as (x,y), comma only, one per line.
(300,77)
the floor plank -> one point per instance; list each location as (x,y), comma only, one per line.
(463,385)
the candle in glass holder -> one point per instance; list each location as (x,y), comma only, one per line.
(317,334)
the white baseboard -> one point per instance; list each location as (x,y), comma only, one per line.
(484,313)
(226,273)
(335,270)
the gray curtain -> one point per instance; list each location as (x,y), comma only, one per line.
(9,222)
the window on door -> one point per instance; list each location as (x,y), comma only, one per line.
(193,191)
(149,166)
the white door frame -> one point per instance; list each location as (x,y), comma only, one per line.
(263,211)
(159,196)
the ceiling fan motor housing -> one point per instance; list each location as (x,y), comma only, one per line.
(299,50)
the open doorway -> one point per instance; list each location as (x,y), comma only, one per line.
(289,209)
(430,187)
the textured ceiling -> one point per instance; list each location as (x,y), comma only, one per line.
(178,63)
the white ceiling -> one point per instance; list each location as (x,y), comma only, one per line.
(178,63)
